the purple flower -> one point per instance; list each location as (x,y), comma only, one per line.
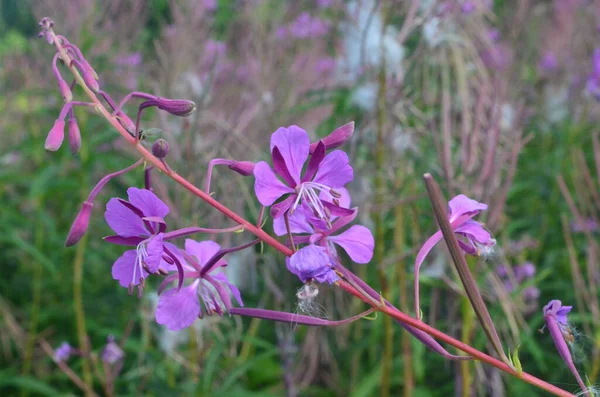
(179,308)
(531,293)
(554,309)
(290,149)
(548,63)
(357,241)
(524,271)
(474,236)
(312,263)
(63,352)
(467,7)
(112,353)
(593,83)
(138,221)
(306,26)
(555,315)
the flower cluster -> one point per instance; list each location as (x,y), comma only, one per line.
(521,274)
(313,203)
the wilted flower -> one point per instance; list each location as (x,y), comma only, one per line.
(473,235)
(555,315)
(312,263)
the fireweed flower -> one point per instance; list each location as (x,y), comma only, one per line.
(472,235)
(555,315)
(290,149)
(179,308)
(593,82)
(112,353)
(140,220)
(357,241)
(63,352)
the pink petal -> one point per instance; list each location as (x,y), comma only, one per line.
(474,231)
(203,250)
(155,251)
(178,309)
(222,277)
(147,202)
(358,242)
(299,223)
(461,205)
(266,186)
(123,221)
(294,144)
(123,268)
(335,170)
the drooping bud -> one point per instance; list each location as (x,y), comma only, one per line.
(87,76)
(80,224)
(177,107)
(55,136)
(65,91)
(160,148)
(244,168)
(337,138)
(74,135)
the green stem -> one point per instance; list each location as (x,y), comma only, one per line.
(35,307)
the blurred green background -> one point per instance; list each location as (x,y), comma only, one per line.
(496,101)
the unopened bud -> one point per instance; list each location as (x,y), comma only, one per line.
(80,224)
(55,136)
(88,77)
(74,135)
(337,138)
(160,148)
(244,168)
(177,107)
(65,91)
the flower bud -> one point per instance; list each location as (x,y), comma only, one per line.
(74,135)
(337,138)
(55,136)
(65,91)
(80,224)
(88,77)
(177,107)
(244,168)
(160,148)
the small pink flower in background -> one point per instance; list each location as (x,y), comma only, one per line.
(112,353)
(63,352)
(179,308)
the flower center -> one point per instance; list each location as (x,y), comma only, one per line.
(140,262)
(309,191)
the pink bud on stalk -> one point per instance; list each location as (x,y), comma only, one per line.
(55,136)
(337,137)
(245,168)
(160,148)
(88,77)
(74,135)
(80,224)
(177,107)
